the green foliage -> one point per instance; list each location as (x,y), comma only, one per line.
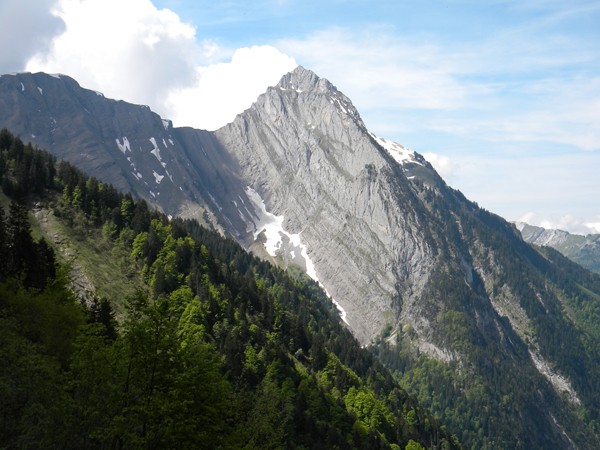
(412,445)
(371,411)
(33,400)
(217,350)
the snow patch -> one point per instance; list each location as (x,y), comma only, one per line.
(268,223)
(124,147)
(340,105)
(99,94)
(165,123)
(341,311)
(299,91)
(157,178)
(41,90)
(400,153)
(156,152)
(55,75)
(272,226)
(22,87)
(214,200)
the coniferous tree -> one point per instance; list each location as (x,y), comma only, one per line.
(20,247)
(4,241)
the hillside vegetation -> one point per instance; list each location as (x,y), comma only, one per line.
(213,348)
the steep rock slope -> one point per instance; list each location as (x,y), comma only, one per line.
(307,154)
(584,250)
(120,143)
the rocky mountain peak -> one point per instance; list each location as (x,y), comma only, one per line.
(305,80)
(314,94)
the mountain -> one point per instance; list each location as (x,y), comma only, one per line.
(126,145)
(500,339)
(584,250)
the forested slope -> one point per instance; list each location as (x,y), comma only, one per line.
(217,349)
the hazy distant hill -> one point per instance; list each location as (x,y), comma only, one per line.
(584,250)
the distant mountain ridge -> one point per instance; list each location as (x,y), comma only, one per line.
(584,250)
(447,293)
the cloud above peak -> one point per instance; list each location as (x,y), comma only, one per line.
(221,91)
(41,25)
(129,50)
(142,54)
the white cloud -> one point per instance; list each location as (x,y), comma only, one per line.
(476,107)
(133,51)
(560,111)
(126,49)
(566,222)
(25,28)
(223,90)
(594,226)
(442,164)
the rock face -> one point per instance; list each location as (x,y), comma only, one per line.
(304,149)
(126,145)
(584,250)
(298,178)
(300,157)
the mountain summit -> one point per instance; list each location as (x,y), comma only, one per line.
(499,338)
(309,158)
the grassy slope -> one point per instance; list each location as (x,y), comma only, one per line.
(97,267)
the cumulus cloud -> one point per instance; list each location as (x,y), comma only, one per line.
(223,90)
(136,52)
(129,50)
(442,164)
(493,100)
(26,28)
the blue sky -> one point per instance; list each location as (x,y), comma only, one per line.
(503,97)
